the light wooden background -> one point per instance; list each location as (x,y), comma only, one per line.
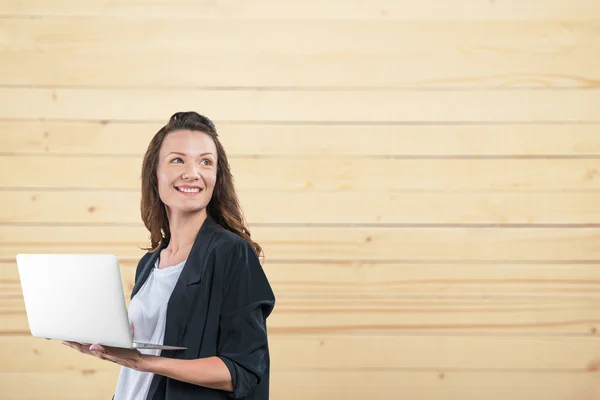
(424,177)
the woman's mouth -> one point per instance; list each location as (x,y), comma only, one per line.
(188,190)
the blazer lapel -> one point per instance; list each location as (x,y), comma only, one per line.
(146,269)
(185,289)
(183,295)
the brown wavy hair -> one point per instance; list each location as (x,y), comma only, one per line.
(223,208)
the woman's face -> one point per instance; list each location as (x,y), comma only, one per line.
(187,171)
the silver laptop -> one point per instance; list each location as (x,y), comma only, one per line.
(79,298)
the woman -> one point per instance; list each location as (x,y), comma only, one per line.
(200,285)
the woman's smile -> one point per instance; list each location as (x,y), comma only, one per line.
(188,190)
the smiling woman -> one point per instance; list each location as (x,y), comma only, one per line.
(200,285)
(181,171)
(187,153)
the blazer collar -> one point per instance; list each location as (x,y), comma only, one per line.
(145,271)
(192,271)
(194,267)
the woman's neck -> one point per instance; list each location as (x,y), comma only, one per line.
(184,228)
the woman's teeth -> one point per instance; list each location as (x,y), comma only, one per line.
(189,190)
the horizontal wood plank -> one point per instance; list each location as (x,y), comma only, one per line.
(329,9)
(103,138)
(68,385)
(322,298)
(337,385)
(578,318)
(347,69)
(382,53)
(431,385)
(260,207)
(330,352)
(303,285)
(145,36)
(319,105)
(319,174)
(325,243)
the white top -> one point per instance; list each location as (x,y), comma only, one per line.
(147,313)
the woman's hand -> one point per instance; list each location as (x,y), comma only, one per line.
(130,358)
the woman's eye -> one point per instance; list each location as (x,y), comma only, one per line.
(206,162)
(177,159)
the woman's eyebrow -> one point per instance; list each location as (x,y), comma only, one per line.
(183,154)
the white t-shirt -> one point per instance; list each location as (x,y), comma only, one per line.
(147,313)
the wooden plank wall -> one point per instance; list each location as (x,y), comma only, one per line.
(423,175)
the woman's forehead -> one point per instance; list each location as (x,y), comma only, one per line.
(192,143)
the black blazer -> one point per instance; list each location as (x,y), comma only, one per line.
(218,307)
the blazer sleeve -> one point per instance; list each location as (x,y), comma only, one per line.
(246,303)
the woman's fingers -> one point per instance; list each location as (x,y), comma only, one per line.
(74,345)
(80,347)
(109,358)
(96,348)
(98,351)
(123,357)
(107,354)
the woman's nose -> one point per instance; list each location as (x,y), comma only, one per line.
(191,172)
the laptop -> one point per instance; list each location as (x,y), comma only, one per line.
(79,298)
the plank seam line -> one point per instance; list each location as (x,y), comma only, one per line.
(317,225)
(160,122)
(308,88)
(257,156)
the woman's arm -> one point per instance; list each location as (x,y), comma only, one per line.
(210,372)
(242,346)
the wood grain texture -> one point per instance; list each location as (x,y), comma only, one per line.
(321,173)
(423,177)
(306,140)
(578,319)
(382,53)
(403,285)
(318,106)
(265,207)
(330,352)
(338,385)
(434,385)
(313,9)
(89,36)
(347,243)
(403,298)
(475,70)
(94,385)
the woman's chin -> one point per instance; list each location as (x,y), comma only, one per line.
(186,208)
